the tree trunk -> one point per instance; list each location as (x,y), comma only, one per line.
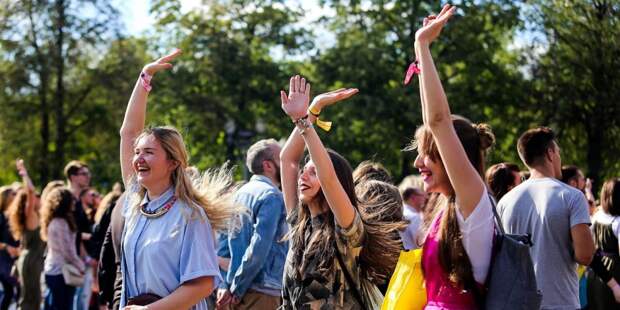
(595,157)
(59,159)
(45,128)
(43,71)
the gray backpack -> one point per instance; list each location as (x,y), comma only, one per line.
(511,283)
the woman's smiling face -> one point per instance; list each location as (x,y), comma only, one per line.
(433,174)
(308,183)
(150,162)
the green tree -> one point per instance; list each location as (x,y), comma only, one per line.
(47,50)
(578,80)
(227,79)
(374,45)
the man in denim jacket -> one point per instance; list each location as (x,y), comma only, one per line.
(257,251)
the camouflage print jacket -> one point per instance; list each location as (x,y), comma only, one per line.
(331,291)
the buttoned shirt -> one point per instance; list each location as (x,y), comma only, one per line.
(258,251)
(160,254)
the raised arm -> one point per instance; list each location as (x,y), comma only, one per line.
(336,197)
(468,185)
(32,217)
(293,150)
(135,115)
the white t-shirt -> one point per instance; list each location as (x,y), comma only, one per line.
(477,231)
(410,234)
(547,209)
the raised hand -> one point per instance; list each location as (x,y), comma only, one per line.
(432,25)
(588,185)
(332,97)
(295,105)
(161,63)
(21,168)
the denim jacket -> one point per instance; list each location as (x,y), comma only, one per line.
(257,251)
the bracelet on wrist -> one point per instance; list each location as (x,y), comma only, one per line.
(302,124)
(413,69)
(325,125)
(145,81)
(295,121)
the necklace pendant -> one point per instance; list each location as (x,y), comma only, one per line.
(160,211)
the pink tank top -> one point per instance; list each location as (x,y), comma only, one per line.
(440,293)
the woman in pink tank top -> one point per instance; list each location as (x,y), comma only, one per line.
(451,153)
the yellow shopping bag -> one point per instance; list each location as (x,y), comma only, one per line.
(406,289)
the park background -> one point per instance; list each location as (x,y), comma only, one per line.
(67,68)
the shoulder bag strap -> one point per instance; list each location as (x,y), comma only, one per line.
(347,276)
(498,221)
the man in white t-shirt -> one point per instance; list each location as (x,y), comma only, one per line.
(413,203)
(555,215)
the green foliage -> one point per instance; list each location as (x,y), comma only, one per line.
(577,80)
(230,73)
(374,47)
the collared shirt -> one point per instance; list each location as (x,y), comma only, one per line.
(258,251)
(160,254)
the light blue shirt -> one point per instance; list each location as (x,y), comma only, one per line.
(159,254)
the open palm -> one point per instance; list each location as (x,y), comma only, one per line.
(21,168)
(432,25)
(329,98)
(295,105)
(161,63)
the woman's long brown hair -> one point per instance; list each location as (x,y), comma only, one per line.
(321,242)
(476,140)
(58,203)
(17,214)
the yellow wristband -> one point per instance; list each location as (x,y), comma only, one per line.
(314,112)
(325,125)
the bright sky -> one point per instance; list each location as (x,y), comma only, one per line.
(135,13)
(135,16)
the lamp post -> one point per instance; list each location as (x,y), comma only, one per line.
(230,128)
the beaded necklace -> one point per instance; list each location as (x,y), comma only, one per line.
(159,211)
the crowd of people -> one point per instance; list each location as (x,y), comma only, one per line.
(46,236)
(309,231)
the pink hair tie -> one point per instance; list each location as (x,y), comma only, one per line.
(145,81)
(413,69)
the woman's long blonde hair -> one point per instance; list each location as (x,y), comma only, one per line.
(211,192)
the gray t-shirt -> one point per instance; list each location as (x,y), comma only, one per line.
(547,209)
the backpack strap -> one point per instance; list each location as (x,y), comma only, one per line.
(471,285)
(498,221)
(347,275)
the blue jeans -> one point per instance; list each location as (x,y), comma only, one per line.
(59,295)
